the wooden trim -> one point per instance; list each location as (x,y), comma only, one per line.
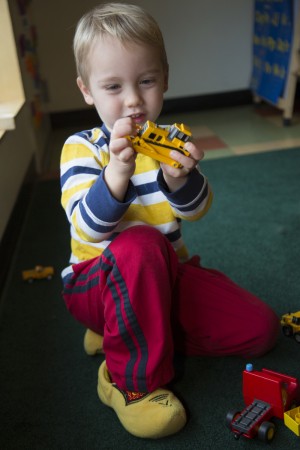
(207,101)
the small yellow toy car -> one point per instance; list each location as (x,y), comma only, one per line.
(38,273)
(290,324)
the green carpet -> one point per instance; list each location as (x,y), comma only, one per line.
(48,396)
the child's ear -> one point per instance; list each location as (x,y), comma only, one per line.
(85,91)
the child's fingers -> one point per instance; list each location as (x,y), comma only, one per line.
(196,152)
(187,162)
(123,127)
(121,147)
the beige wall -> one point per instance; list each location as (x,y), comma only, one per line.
(208,43)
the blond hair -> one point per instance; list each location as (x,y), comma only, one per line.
(125,22)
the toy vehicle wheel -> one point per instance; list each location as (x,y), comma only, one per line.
(266,431)
(297,337)
(230,416)
(287,330)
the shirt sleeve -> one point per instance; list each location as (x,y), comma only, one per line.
(192,200)
(91,209)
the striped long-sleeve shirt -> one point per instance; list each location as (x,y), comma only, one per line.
(96,217)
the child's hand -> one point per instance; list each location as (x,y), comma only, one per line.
(121,164)
(175,178)
(122,155)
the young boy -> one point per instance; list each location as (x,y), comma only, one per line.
(130,281)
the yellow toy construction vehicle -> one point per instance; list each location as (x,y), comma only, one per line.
(157,142)
(290,324)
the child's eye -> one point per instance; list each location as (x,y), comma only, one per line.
(148,81)
(112,87)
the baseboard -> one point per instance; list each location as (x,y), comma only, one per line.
(15,223)
(207,101)
(173,106)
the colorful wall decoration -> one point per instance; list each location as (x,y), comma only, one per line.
(272,43)
(28,53)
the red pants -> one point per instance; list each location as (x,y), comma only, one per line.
(146,305)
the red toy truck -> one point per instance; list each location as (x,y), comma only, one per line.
(266,394)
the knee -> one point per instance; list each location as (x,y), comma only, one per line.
(267,334)
(143,233)
(142,243)
(142,237)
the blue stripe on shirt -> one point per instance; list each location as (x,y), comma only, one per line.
(148,188)
(77,170)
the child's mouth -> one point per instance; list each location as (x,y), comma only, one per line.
(138,118)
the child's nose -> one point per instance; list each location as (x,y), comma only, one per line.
(133,98)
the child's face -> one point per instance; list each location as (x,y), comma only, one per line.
(124,81)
